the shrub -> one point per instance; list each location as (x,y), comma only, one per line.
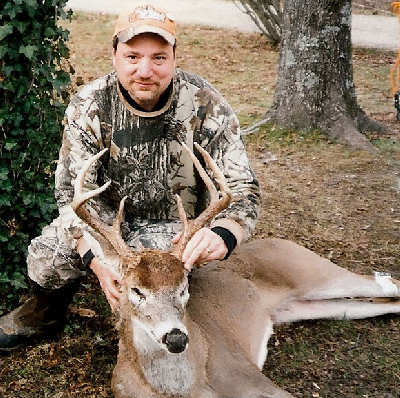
(33,51)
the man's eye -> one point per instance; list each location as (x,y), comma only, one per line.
(159,59)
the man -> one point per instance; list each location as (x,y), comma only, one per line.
(142,112)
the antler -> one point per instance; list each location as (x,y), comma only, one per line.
(216,205)
(112,233)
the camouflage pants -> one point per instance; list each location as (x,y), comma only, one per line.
(52,263)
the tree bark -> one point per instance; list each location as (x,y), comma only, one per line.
(315,87)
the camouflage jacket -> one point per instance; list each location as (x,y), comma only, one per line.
(146,161)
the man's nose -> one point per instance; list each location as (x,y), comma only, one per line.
(145,68)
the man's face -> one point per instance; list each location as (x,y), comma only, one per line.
(145,66)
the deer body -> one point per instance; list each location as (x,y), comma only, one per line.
(214,344)
(230,315)
(213,317)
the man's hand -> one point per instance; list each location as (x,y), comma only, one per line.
(204,246)
(109,282)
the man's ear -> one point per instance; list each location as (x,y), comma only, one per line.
(113,57)
(174,60)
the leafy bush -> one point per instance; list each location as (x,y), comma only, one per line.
(33,51)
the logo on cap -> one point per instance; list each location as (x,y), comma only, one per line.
(147,13)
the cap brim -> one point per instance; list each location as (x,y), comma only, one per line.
(133,31)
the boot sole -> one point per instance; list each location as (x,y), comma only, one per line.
(10,343)
(11,349)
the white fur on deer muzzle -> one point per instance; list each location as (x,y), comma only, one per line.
(158,333)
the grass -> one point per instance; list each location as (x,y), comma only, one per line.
(320,354)
(340,203)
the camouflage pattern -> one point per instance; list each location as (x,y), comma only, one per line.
(146,163)
(52,263)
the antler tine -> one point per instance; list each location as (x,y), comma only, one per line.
(218,174)
(118,219)
(181,211)
(203,174)
(79,196)
(216,205)
(110,233)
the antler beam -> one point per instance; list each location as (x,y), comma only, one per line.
(112,233)
(218,201)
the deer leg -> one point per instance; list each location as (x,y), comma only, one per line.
(304,274)
(349,284)
(335,309)
(294,283)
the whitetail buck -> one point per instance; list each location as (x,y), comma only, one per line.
(214,344)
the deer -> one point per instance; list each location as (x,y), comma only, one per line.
(205,334)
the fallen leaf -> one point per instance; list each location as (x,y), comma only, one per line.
(84,312)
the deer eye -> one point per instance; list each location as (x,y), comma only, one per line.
(184,294)
(138,293)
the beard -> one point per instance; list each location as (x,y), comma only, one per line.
(146,98)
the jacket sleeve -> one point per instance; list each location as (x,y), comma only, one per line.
(81,140)
(226,147)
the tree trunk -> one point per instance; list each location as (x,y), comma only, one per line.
(315,88)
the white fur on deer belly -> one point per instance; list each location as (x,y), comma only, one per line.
(384,280)
(167,373)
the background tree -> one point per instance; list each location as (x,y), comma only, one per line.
(315,88)
(266,14)
(32,51)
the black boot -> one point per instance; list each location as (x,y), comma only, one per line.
(42,314)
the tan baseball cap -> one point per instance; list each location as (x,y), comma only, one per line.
(143,19)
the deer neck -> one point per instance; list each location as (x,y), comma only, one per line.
(166,373)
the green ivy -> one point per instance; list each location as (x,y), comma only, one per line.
(33,59)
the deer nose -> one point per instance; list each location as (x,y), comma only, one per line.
(175,341)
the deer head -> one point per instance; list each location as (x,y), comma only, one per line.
(155,287)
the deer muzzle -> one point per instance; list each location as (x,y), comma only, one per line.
(176,341)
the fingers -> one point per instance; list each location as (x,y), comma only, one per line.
(111,290)
(110,285)
(195,250)
(112,300)
(109,280)
(204,246)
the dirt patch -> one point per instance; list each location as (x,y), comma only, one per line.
(340,203)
